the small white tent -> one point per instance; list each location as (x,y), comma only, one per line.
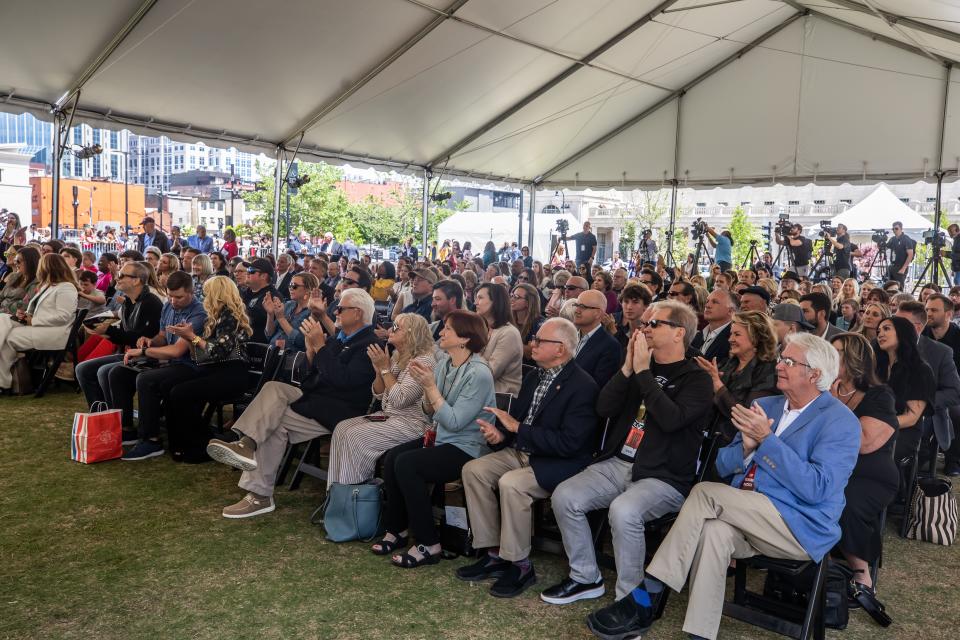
(880,210)
(479,227)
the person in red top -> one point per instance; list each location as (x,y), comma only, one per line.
(230,248)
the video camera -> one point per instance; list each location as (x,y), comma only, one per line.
(698,229)
(783,226)
(826,229)
(937,239)
(880,237)
(562,227)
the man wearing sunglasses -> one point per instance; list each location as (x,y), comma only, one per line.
(598,352)
(260,277)
(547,436)
(421,288)
(658,403)
(356,278)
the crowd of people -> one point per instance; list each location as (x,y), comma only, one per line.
(617,379)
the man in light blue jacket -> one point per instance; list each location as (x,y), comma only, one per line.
(790,464)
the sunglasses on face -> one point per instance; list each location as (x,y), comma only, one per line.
(653,324)
(350,281)
(571,287)
(514,296)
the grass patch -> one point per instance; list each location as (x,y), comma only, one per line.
(139,550)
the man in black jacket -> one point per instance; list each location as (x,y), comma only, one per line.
(545,438)
(658,403)
(598,353)
(337,388)
(713,341)
(139,318)
(152,237)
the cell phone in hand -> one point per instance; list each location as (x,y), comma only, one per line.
(375,418)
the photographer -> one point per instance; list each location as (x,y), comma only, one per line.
(903,248)
(724,245)
(586,244)
(841,246)
(801,249)
(954,231)
(647,249)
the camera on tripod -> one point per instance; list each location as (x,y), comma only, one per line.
(880,237)
(562,227)
(937,239)
(826,229)
(698,229)
(783,226)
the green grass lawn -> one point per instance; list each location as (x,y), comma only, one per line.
(139,550)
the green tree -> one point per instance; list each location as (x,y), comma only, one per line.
(743,232)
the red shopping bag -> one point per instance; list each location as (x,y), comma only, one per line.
(97,436)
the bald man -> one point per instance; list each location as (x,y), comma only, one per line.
(598,352)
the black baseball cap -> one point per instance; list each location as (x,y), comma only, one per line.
(262,265)
(757,291)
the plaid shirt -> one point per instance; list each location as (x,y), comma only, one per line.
(547,376)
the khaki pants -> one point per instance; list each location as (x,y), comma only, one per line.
(716,524)
(271,423)
(509,524)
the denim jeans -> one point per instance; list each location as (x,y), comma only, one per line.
(92,377)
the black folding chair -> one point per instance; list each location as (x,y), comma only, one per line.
(263,360)
(293,369)
(48,361)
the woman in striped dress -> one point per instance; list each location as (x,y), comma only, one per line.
(358,442)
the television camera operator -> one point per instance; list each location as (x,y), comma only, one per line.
(954,232)
(904,249)
(839,240)
(800,248)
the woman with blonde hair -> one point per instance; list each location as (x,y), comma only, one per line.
(749,373)
(217,369)
(47,320)
(873,314)
(201,269)
(153,282)
(359,442)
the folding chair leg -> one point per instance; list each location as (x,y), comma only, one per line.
(286,463)
(814,614)
(48,374)
(308,452)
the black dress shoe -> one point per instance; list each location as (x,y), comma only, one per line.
(513,582)
(951,469)
(485,567)
(570,591)
(621,620)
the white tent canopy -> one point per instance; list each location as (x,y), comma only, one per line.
(624,93)
(500,227)
(880,210)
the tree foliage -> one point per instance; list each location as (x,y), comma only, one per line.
(742,231)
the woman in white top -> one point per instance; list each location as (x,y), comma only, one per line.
(504,350)
(47,320)
(359,442)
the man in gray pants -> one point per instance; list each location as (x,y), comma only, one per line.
(659,403)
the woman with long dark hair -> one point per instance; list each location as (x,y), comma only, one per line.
(21,285)
(504,349)
(902,368)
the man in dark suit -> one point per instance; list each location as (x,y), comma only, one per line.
(286,269)
(337,388)
(545,438)
(713,341)
(152,237)
(938,428)
(598,353)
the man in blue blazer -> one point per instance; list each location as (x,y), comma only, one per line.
(790,463)
(598,353)
(546,437)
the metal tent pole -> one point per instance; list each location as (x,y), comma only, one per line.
(58,124)
(520,221)
(673,191)
(533,215)
(940,174)
(277,179)
(426,207)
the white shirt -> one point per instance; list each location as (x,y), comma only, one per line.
(788,418)
(710,336)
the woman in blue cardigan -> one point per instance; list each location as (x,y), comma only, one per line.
(455,393)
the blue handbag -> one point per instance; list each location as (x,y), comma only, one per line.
(351,511)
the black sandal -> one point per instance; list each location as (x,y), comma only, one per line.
(407,561)
(388,546)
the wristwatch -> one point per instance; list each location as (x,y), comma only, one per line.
(195,341)
(384,372)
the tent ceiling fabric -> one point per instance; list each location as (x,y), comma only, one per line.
(402,83)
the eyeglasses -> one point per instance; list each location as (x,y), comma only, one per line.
(653,324)
(537,341)
(395,328)
(790,362)
(121,276)
(514,296)
(350,281)
(674,294)
(572,287)
(578,305)
(297,286)
(339,309)
(523,279)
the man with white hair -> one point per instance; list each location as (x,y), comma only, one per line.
(546,437)
(789,473)
(337,387)
(658,403)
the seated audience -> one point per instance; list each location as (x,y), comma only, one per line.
(546,437)
(940,309)
(383,285)
(634,299)
(713,341)
(421,288)
(21,286)
(258,287)
(749,373)
(658,397)
(202,269)
(754,298)
(874,481)
(456,391)
(139,318)
(603,283)
(504,347)
(525,316)
(785,501)
(47,320)
(89,297)
(359,442)
(848,316)
(336,388)
(598,353)
(571,289)
(873,313)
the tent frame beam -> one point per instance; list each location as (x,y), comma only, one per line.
(892,18)
(676,94)
(553,82)
(106,52)
(324,110)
